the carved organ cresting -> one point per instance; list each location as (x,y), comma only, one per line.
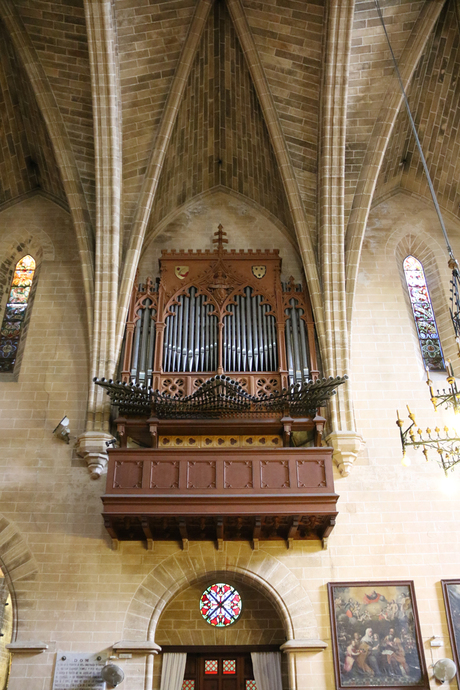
(215,312)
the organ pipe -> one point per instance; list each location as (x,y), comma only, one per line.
(249,340)
(296,344)
(191,340)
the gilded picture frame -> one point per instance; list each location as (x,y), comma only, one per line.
(376,640)
(451,593)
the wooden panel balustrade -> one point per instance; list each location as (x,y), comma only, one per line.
(219,494)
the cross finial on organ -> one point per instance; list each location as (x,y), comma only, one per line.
(219,238)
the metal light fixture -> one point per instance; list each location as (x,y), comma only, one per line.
(445,442)
(62,430)
(449,399)
(112,674)
(447,447)
(444,670)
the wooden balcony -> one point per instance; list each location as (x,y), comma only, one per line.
(220,494)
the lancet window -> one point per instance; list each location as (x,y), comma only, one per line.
(15,312)
(422,310)
(219,312)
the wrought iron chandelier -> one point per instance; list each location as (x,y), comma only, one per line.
(446,446)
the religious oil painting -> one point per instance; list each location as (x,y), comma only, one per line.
(376,635)
(451,591)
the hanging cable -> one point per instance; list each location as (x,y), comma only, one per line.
(417,140)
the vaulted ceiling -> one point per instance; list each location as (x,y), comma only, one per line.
(124,110)
(290,39)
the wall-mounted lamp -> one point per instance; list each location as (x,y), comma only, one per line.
(112,674)
(444,670)
(62,430)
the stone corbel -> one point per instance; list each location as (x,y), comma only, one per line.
(294,647)
(134,647)
(92,446)
(27,647)
(346,445)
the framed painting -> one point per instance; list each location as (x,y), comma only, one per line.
(376,639)
(451,592)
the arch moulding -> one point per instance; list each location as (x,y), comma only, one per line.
(257,568)
(19,566)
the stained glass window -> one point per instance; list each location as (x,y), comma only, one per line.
(422,310)
(188,685)
(15,312)
(211,666)
(229,666)
(220,605)
(251,685)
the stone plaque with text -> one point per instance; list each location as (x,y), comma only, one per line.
(77,670)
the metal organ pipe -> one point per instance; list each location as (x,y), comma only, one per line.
(166,345)
(192,330)
(191,337)
(289,336)
(197,333)
(151,350)
(263,319)
(144,340)
(296,344)
(194,340)
(233,344)
(180,329)
(304,348)
(255,336)
(137,336)
(238,342)
(207,339)
(249,335)
(173,342)
(249,329)
(215,342)
(243,332)
(190,342)
(185,327)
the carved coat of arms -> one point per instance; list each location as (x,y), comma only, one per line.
(259,271)
(181,271)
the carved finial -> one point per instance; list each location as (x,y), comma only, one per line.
(291,284)
(219,238)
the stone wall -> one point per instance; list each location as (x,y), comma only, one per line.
(75,593)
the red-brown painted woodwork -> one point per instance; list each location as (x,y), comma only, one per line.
(220,275)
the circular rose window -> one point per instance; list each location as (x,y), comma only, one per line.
(220,605)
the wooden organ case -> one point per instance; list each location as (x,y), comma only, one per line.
(215,312)
(218,424)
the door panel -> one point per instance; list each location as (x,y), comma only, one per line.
(219,671)
(210,684)
(230,683)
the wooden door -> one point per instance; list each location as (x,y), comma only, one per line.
(219,671)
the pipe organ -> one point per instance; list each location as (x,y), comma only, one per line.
(218,409)
(219,312)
